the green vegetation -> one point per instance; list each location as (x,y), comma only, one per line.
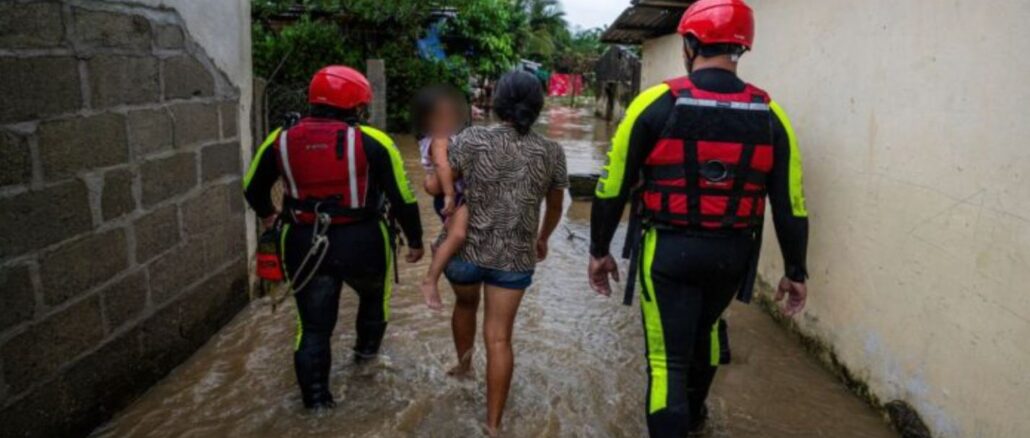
(482,38)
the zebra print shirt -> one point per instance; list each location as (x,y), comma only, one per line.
(507,176)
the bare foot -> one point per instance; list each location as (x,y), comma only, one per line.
(431,294)
(492,432)
(460,370)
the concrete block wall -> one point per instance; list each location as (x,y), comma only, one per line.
(124,234)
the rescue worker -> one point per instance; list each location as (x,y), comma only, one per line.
(336,174)
(698,155)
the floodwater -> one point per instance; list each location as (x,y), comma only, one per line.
(579,368)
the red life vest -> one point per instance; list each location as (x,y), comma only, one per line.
(325,170)
(709,168)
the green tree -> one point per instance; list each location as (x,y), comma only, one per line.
(581,52)
(481,36)
(352,31)
(542,28)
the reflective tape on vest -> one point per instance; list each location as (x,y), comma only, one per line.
(284,154)
(352,169)
(709,103)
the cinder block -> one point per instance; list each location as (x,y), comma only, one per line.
(116,199)
(125,300)
(156,233)
(36,219)
(110,29)
(167,177)
(213,303)
(42,413)
(161,341)
(30,25)
(150,131)
(174,332)
(168,37)
(103,383)
(123,80)
(224,242)
(35,354)
(76,267)
(17,297)
(220,160)
(83,143)
(173,272)
(207,210)
(38,87)
(16,165)
(195,123)
(230,119)
(185,77)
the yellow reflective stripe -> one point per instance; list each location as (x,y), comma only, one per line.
(795,174)
(613,175)
(388,283)
(269,141)
(716,350)
(396,160)
(656,357)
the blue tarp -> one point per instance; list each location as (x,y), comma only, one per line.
(430,47)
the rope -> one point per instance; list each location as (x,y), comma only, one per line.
(319,245)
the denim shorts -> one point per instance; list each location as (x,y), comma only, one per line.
(464,273)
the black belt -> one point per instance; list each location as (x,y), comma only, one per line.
(330,205)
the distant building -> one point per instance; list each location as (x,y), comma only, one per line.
(617,82)
(651,24)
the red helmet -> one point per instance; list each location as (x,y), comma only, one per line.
(341,87)
(719,21)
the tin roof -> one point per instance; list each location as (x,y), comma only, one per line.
(644,20)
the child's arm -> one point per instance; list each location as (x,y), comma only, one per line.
(438,152)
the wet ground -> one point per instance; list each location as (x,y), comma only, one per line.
(579,361)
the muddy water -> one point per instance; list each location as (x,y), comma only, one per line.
(579,361)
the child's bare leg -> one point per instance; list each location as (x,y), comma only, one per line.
(457,225)
(463,327)
(431,184)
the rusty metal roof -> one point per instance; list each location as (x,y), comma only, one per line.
(644,20)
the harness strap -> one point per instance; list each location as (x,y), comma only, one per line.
(746,154)
(631,276)
(329,205)
(747,287)
(697,219)
(693,188)
(631,247)
(733,171)
(680,190)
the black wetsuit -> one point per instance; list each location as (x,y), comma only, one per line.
(689,276)
(359,254)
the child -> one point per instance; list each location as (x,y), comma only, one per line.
(440,113)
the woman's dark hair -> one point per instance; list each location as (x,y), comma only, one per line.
(518,99)
(425,102)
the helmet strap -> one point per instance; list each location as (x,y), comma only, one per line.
(694,51)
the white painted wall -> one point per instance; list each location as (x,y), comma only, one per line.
(912,121)
(662,59)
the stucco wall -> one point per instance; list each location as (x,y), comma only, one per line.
(911,118)
(662,59)
(123,136)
